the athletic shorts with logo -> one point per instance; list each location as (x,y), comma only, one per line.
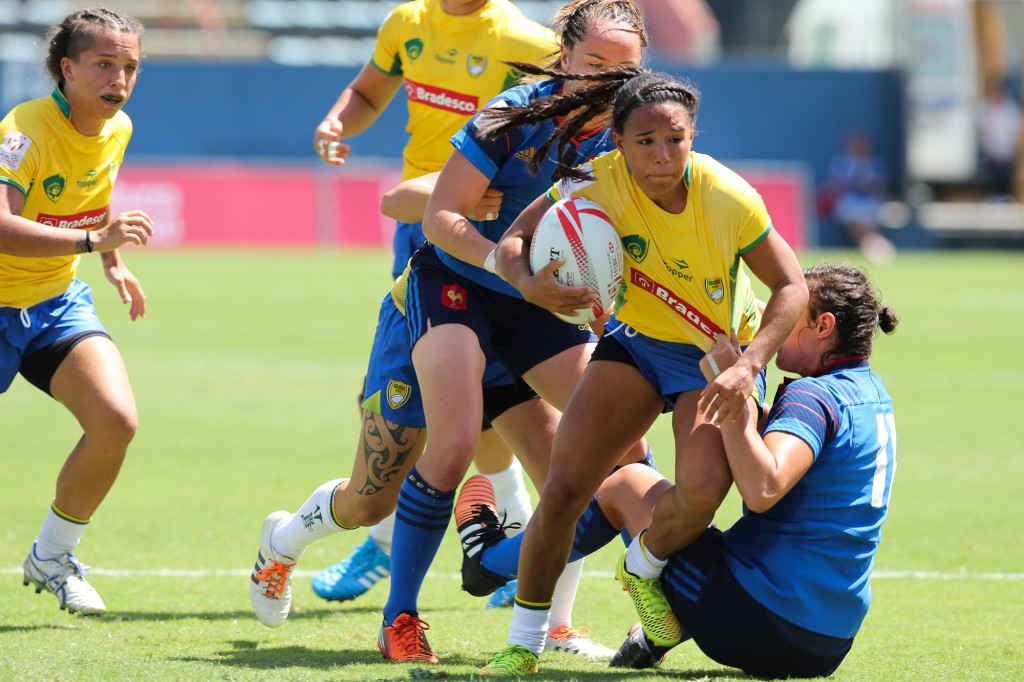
(520,334)
(25,331)
(672,368)
(391,389)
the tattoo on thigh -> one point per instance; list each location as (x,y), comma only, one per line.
(386,447)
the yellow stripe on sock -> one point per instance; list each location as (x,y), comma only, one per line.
(69,517)
(533,606)
(334,517)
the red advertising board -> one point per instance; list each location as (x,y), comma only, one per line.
(271,205)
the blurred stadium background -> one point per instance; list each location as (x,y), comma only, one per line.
(232,90)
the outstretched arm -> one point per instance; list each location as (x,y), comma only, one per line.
(774,263)
(357,107)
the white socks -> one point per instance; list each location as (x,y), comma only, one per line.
(529,628)
(565,594)
(381,533)
(511,497)
(59,533)
(313,521)
(640,562)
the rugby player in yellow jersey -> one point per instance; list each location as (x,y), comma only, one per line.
(448,56)
(58,161)
(688,226)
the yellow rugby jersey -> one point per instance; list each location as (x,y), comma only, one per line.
(67,179)
(683,279)
(452,65)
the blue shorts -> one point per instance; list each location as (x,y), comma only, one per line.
(391,388)
(734,629)
(408,237)
(521,334)
(25,331)
(672,368)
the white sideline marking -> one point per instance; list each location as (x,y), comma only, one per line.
(237,573)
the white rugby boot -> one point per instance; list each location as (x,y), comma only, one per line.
(63,577)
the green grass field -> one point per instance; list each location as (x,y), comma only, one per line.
(246,372)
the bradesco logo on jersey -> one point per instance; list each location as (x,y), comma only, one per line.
(439,98)
(78,221)
(681,307)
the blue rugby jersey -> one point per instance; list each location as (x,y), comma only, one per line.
(809,557)
(504,161)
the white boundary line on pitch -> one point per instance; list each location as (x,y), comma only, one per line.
(238,573)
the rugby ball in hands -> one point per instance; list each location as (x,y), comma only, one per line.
(579,231)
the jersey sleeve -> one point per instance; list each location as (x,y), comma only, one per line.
(487,155)
(748,213)
(19,156)
(387,51)
(805,410)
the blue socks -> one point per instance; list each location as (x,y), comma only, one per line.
(593,531)
(420,523)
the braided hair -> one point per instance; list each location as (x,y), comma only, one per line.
(619,90)
(76,32)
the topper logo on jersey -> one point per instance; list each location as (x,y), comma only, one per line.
(53,186)
(90,182)
(448,57)
(413,49)
(83,220)
(475,65)
(675,266)
(681,307)
(439,98)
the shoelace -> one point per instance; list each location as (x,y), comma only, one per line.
(411,638)
(567,632)
(72,567)
(491,529)
(275,574)
(653,599)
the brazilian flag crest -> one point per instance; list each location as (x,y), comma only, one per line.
(398,393)
(54,186)
(476,64)
(715,289)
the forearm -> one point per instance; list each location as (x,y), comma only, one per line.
(407,203)
(356,112)
(512,259)
(781,313)
(454,234)
(754,467)
(28,239)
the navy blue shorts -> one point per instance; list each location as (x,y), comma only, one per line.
(522,335)
(732,628)
(392,390)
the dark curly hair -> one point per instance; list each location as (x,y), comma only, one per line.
(847,293)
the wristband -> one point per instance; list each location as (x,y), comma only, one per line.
(712,364)
(88,241)
(490,261)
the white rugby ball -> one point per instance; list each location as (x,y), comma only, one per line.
(579,231)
